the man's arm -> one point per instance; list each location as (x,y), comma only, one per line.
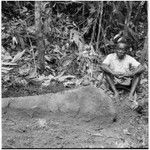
(106,69)
(106,63)
(137,71)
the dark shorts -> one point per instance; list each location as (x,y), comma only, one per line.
(124,87)
(122,81)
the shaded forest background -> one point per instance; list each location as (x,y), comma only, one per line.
(63,42)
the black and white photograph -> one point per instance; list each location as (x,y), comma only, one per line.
(74,74)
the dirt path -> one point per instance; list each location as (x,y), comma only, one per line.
(55,130)
(25,129)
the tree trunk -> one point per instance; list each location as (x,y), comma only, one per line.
(100,22)
(40,37)
(145,51)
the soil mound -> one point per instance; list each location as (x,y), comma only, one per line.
(83,100)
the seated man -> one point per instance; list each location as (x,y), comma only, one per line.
(120,68)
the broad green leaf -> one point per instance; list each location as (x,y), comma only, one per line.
(32,29)
(42,78)
(9,63)
(33,74)
(18,56)
(6,77)
(66,63)
(5,71)
(78,81)
(5,35)
(143,81)
(47,58)
(76,37)
(68,83)
(46,83)
(4,54)
(6,57)
(50,77)
(63,78)
(6,68)
(24,70)
(14,41)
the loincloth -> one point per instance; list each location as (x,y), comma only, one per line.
(122,81)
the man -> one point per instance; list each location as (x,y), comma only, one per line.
(120,68)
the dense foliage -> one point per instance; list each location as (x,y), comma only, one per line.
(73,38)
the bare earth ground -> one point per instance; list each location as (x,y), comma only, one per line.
(57,130)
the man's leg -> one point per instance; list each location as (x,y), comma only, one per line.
(112,85)
(135,82)
(134,85)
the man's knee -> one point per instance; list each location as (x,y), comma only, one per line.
(108,76)
(136,80)
(137,77)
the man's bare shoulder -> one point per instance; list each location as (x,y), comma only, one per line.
(130,57)
(109,58)
(111,55)
(132,60)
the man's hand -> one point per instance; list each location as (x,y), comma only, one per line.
(129,74)
(118,75)
(138,70)
(106,69)
(121,75)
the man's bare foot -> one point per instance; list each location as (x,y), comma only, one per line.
(132,99)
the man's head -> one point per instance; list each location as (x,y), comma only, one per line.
(121,50)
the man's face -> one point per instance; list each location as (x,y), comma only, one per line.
(121,51)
